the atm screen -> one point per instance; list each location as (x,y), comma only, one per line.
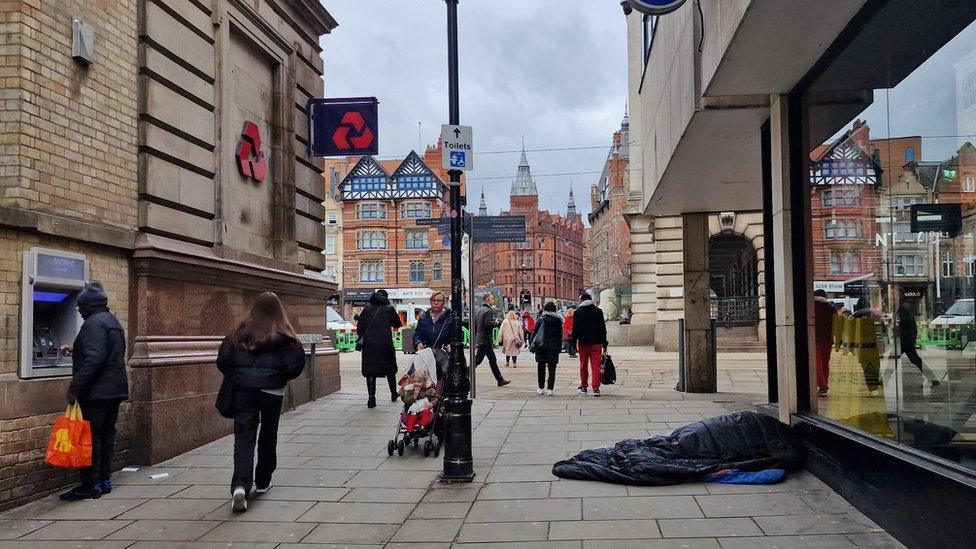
(60,267)
(49,297)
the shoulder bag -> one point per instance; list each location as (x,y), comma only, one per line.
(360,338)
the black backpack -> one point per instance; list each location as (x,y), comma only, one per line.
(608,373)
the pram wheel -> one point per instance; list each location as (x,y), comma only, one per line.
(416,442)
(390,446)
(400,448)
(428,447)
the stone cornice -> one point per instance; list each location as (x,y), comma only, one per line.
(66,227)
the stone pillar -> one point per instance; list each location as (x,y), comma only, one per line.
(668,282)
(643,256)
(699,374)
(788,326)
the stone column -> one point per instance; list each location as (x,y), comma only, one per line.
(699,374)
(643,252)
(668,281)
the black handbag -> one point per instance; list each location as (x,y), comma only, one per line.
(608,373)
(225,398)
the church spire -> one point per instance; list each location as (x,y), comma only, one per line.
(571,208)
(523,184)
(483,208)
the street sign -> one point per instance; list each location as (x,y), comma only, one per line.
(458,148)
(943,219)
(656,7)
(499,228)
(343,127)
(309,338)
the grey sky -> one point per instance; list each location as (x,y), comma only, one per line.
(555,71)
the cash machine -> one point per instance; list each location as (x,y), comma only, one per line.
(52,280)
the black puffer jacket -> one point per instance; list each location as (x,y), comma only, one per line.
(98,359)
(553,326)
(379,356)
(271,366)
(589,326)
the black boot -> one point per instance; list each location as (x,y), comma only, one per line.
(371,403)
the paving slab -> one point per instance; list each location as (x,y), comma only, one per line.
(708,528)
(475,532)
(440,511)
(165,530)
(12,529)
(640,507)
(753,505)
(92,509)
(838,523)
(691,543)
(174,509)
(526,510)
(358,513)
(787,542)
(249,532)
(424,530)
(351,533)
(604,529)
(77,530)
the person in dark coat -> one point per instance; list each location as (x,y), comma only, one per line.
(435,326)
(548,356)
(261,356)
(99,384)
(589,336)
(375,326)
(823,331)
(908,337)
(484,323)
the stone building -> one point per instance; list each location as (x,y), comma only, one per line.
(383,246)
(608,237)
(336,170)
(167,160)
(548,266)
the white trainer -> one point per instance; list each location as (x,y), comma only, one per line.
(539,392)
(549,392)
(239,500)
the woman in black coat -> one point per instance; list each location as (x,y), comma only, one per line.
(548,356)
(374,328)
(259,358)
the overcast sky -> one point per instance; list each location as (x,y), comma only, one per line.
(553,71)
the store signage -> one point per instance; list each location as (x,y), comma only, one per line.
(410,293)
(828,286)
(342,127)
(458,148)
(913,293)
(357,294)
(656,7)
(944,219)
(251,162)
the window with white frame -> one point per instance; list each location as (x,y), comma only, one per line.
(329,272)
(333,218)
(371,240)
(438,271)
(909,265)
(417,271)
(416,240)
(371,271)
(902,232)
(845,262)
(842,229)
(968,185)
(330,243)
(416,210)
(970,266)
(948,261)
(370,211)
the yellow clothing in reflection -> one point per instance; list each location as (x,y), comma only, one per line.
(856,395)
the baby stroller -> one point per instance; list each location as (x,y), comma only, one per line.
(412,427)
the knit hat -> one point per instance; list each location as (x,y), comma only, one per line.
(383,293)
(585,294)
(94,295)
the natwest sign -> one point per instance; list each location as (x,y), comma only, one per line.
(343,127)
(251,162)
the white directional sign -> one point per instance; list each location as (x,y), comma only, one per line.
(458,148)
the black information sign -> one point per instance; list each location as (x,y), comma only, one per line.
(499,228)
(945,219)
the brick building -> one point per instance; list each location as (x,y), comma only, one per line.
(548,265)
(383,246)
(121,164)
(608,236)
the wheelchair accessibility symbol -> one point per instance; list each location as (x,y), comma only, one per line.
(458,159)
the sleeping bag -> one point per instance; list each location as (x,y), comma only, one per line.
(747,441)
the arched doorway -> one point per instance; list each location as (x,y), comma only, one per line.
(733,280)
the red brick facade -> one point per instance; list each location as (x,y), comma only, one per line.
(608,237)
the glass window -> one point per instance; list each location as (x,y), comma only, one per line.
(371,271)
(948,261)
(416,210)
(417,273)
(909,154)
(371,240)
(416,240)
(333,218)
(330,243)
(968,184)
(438,271)
(329,272)
(371,211)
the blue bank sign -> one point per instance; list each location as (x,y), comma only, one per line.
(656,7)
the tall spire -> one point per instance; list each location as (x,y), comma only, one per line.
(571,208)
(523,184)
(483,208)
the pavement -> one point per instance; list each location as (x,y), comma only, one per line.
(336,487)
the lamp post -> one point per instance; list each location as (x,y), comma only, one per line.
(458,460)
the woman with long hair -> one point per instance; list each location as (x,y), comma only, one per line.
(260,357)
(374,328)
(547,356)
(511,335)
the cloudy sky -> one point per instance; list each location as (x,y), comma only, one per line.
(553,71)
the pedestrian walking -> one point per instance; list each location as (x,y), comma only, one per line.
(435,326)
(567,331)
(484,323)
(823,331)
(99,385)
(511,336)
(589,336)
(375,326)
(908,336)
(547,356)
(528,326)
(259,357)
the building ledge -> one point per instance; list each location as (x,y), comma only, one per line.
(66,227)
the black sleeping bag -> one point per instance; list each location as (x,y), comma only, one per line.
(746,440)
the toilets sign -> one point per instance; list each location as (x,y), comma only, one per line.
(458,148)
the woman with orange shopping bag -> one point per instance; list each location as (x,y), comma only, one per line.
(98,385)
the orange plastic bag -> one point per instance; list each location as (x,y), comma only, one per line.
(70,446)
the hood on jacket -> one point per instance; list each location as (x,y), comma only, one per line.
(379,298)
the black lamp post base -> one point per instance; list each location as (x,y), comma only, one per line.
(458,461)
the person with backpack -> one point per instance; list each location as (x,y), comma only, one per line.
(483,324)
(99,384)
(374,328)
(259,357)
(589,336)
(546,344)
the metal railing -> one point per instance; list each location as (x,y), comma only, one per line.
(735,311)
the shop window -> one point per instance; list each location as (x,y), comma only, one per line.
(416,240)
(371,271)
(417,272)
